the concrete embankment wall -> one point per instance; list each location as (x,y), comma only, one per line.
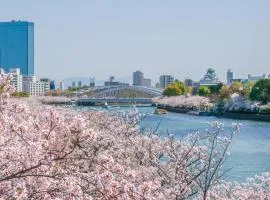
(173,109)
(247,116)
(241,116)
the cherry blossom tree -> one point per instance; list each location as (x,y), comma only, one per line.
(184,102)
(56,153)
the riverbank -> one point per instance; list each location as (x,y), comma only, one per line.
(247,116)
(231,115)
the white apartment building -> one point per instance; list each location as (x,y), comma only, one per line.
(34,87)
(17,78)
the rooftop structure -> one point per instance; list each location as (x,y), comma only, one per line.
(112,82)
(210,78)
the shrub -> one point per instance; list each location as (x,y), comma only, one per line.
(265,110)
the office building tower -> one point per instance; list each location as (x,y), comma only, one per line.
(139,80)
(52,85)
(17,46)
(61,86)
(138,77)
(229,76)
(165,80)
(73,84)
(92,81)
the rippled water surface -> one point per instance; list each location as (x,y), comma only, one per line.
(250,151)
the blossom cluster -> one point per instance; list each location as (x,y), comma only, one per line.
(56,153)
(53,100)
(184,102)
(240,103)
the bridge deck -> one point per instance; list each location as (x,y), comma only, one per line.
(102,101)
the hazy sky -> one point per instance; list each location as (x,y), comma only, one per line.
(183,38)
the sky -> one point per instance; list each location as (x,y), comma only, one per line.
(85,38)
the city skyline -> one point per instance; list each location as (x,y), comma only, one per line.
(106,38)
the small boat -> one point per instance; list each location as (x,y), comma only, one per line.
(160,111)
(106,106)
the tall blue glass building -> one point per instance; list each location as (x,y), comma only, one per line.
(17,46)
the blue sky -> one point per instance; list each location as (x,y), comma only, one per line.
(183,38)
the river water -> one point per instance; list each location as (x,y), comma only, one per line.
(249,151)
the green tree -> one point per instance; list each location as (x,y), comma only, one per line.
(174,89)
(248,87)
(214,89)
(261,91)
(224,92)
(204,91)
(189,90)
(236,87)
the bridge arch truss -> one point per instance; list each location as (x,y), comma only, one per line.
(128,91)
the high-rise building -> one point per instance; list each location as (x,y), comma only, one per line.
(165,80)
(73,84)
(139,80)
(16,81)
(229,77)
(92,81)
(79,83)
(52,85)
(17,46)
(61,86)
(138,77)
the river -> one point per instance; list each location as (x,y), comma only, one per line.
(249,151)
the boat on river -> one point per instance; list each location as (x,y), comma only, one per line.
(159,111)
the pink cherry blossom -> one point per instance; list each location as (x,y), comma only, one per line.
(56,153)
